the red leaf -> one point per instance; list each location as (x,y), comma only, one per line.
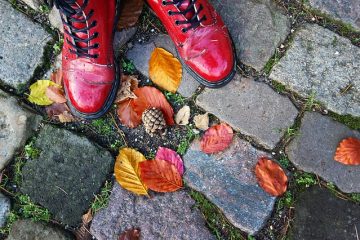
(55,94)
(348,152)
(127,115)
(271,177)
(56,109)
(57,76)
(172,157)
(217,138)
(132,234)
(160,175)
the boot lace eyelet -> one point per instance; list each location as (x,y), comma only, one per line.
(164,3)
(94,23)
(170,13)
(177,22)
(96,56)
(183,30)
(96,45)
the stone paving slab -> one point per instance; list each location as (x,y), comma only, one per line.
(347,11)
(22,45)
(227,179)
(256,26)
(140,56)
(325,64)
(68,173)
(4,209)
(314,149)
(252,108)
(163,216)
(320,215)
(16,126)
(29,230)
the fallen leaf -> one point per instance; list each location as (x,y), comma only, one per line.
(217,138)
(172,157)
(83,232)
(38,92)
(127,114)
(66,117)
(183,115)
(165,70)
(54,110)
(160,175)
(271,177)
(55,94)
(127,171)
(348,151)
(129,13)
(57,76)
(202,121)
(128,85)
(132,234)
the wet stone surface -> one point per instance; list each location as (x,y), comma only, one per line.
(70,170)
(334,82)
(16,126)
(140,56)
(252,108)
(227,179)
(347,11)
(22,46)
(257,27)
(320,215)
(29,230)
(163,216)
(314,148)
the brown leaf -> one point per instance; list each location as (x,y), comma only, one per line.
(83,232)
(57,76)
(348,151)
(55,94)
(271,177)
(202,121)
(54,110)
(129,13)
(160,175)
(132,234)
(127,114)
(128,85)
(217,138)
(66,117)
(183,115)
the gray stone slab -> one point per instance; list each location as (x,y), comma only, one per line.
(256,26)
(55,19)
(140,55)
(66,176)
(347,11)
(227,179)
(22,45)
(163,216)
(314,149)
(29,230)
(16,126)
(251,107)
(320,215)
(4,209)
(34,4)
(323,63)
(122,37)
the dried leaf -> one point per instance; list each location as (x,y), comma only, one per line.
(217,138)
(66,117)
(129,13)
(55,94)
(132,234)
(127,115)
(127,171)
(183,115)
(165,70)
(160,175)
(83,232)
(38,92)
(57,76)
(172,157)
(348,151)
(54,110)
(202,121)
(271,177)
(128,85)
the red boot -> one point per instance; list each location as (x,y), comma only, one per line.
(201,38)
(90,73)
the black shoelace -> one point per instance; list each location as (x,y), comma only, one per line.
(74,14)
(194,21)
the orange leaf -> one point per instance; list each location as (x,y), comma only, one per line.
(160,176)
(217,138)
(55,94)
(132,234)
(129,13)
(271,177)
(127,115)
(57,76)
(348,152)
(165,70)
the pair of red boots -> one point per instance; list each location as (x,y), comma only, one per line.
(90,73)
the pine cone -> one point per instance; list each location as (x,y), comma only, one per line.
(154,121)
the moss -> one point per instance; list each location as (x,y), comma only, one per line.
(273,60)
(102,199)
(279,87)
(350,121)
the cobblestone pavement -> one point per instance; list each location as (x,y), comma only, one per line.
(295,96)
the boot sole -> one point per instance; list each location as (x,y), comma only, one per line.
(115,86)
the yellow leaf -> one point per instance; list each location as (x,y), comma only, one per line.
(38,92)
(127,171)
(165,70)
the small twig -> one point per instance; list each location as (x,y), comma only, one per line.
(121,133)
(62,190)
(357,235)
(10,193)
